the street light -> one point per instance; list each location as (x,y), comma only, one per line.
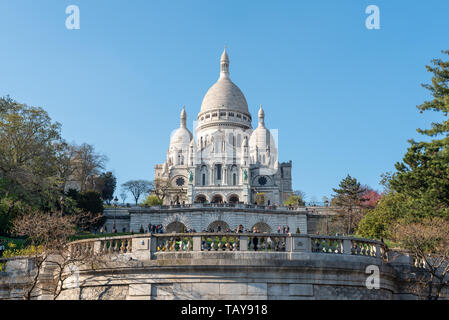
(115,213)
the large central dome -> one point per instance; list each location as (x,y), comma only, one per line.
(224,103)
(224,94)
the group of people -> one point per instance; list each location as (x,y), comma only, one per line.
(159,228)
(155,228)
(285,229)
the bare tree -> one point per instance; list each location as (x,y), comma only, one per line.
(161,188)
(88,164)
(123,196)
(301,194)
(138,188)
(65,166)
(428,242)
(53,257)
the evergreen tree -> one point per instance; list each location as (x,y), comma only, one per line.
(106,184)
(349,197)
(420,187)
(440,102)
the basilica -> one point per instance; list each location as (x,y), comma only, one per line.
(225,160)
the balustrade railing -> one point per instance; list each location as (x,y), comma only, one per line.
(327,244)
(220,242)
(231,242)
(103,246)
(348,245)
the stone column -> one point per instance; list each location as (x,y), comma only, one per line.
(243,243)
(347,246)
(196,243)
(97,246)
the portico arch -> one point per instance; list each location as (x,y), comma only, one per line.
(218,226)
(233,198)
(217,198)
(262,227)
(176,227)
(201,198)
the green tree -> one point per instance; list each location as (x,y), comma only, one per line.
(152,200)
(89,208)
(376,223)
(29,144)
(295,201)
(349,197)
(260,198)
(419,189)
(439,89)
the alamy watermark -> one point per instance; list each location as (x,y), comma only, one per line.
(373,280)
(72,22)
(373,20)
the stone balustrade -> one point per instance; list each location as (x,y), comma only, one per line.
(102,246)
(219,205)
(348,245)
(157,244)
(220,242)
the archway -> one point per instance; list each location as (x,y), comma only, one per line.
(201,198)
(262,227)
(176,227)
(217,198)
(218,226)
(233,198)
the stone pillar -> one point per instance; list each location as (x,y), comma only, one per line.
(190,199)
(377,247)
(299,243)
(245,194)
(347,246)
(196,243)
(97,246)
(141,248)
(288,243)
(243,243)
(153,246)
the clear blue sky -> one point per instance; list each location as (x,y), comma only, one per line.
(343,97)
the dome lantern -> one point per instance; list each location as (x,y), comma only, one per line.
(261,117)
(224,62)
(183,117)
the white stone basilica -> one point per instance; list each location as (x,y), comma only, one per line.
(227,161)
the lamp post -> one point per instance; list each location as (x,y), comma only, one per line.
(114,229)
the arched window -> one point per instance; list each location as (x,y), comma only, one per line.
(204,179)
(234,179)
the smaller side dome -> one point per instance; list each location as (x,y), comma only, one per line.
(262,144)
(182,137)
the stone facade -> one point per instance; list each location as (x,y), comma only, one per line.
(202,218)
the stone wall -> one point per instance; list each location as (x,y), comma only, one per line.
(201,217)
(270,276)
(147,267)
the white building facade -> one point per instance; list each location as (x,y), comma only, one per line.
(227,161)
